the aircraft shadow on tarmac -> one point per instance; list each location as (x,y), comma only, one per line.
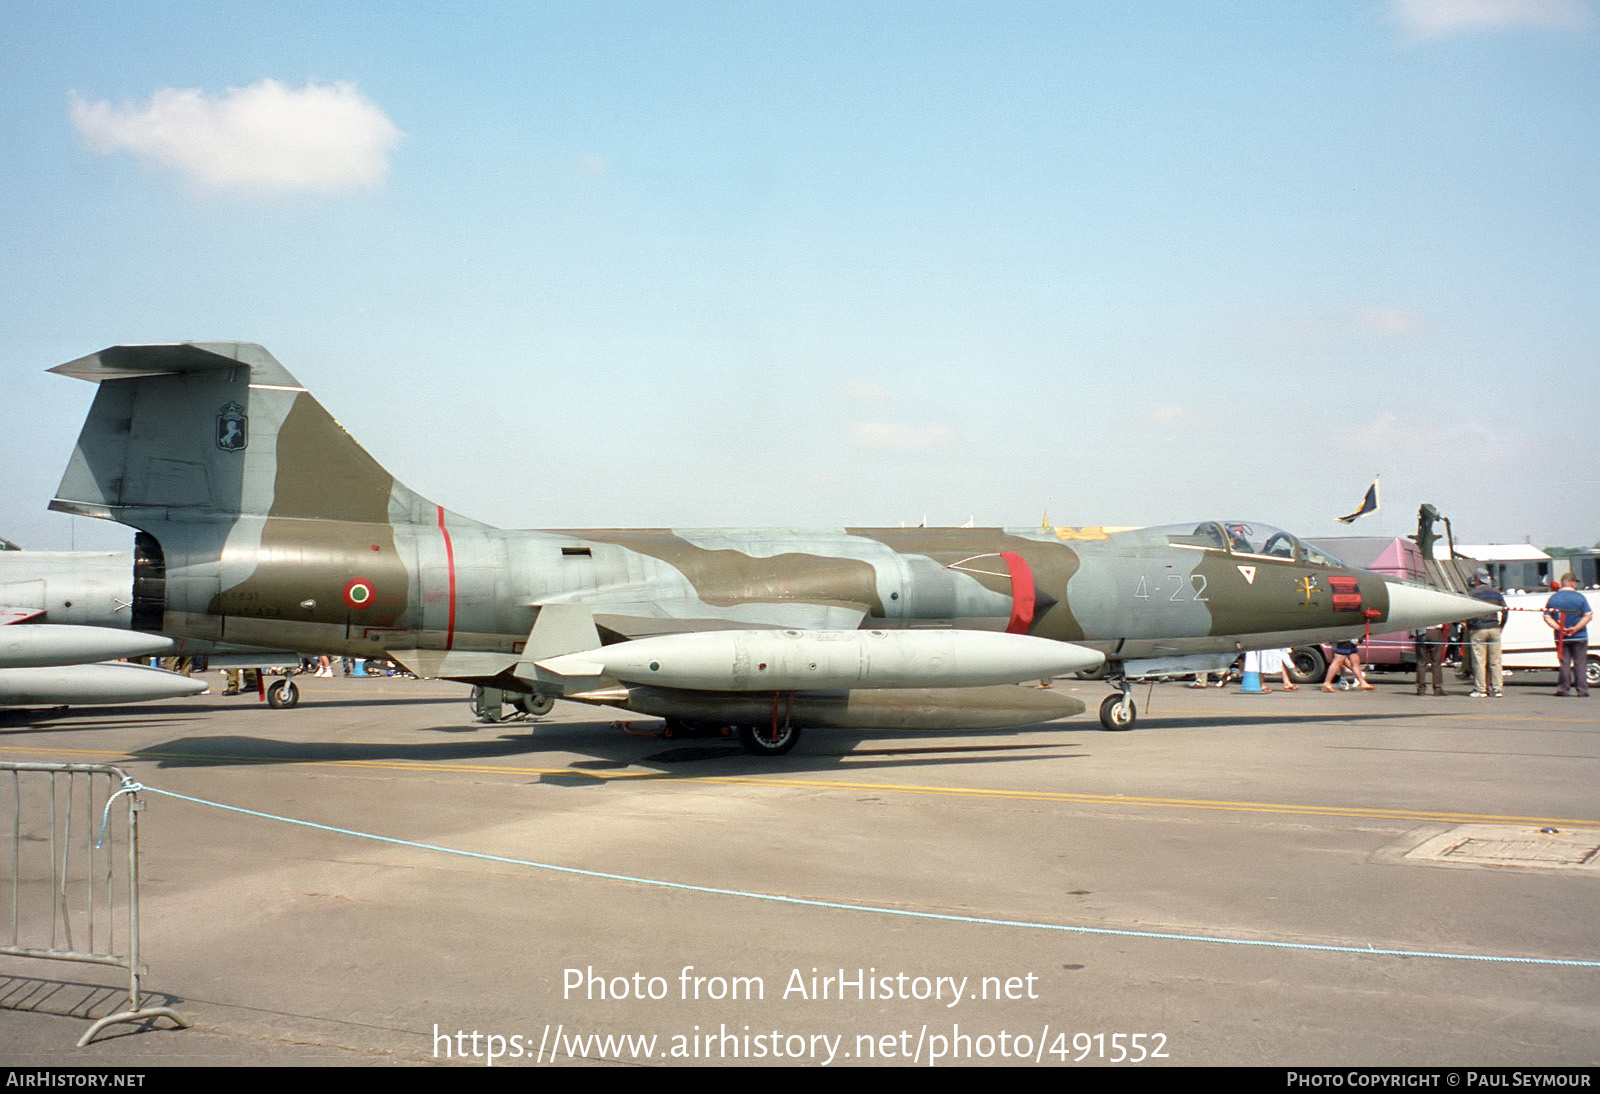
(83,717)
(21,722)
(609,750)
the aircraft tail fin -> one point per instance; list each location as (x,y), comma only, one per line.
(205,431)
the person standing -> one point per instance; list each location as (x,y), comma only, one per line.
(1430,658)
(1484,633)
(1569,613)
(1276,663)
(1346,655)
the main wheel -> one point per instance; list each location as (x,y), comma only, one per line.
(1592,671)
(1118,712)
(765,741)
(282,694)
(1307,665)
(535,706)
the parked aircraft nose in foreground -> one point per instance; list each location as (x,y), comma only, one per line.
(262,522)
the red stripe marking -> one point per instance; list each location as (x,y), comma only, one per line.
(450,566)
(1022,598)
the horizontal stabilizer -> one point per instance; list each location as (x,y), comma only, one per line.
(130,362)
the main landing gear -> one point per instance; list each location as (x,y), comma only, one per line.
(488,705)
(764,738)
(769,740)
(1118,712)
(777,736)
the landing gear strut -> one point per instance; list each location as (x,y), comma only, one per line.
(1118,711)
(769,740)
(488,705)
(282,694)
(776,737)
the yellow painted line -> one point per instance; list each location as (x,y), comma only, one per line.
(1367,715)
(113,756)
(847,786)
(1177,803)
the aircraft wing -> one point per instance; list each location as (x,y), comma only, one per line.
(580,622)
(647,619)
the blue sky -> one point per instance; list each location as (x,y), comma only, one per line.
(819,264)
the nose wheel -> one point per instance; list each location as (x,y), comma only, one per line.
(1118,712)
(282,694)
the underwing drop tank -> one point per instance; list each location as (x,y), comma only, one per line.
(998,707)
(93,685)
(38,644)
(837,660)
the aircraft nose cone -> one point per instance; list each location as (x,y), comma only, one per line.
(1412,607)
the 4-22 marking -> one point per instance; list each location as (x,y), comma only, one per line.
(1194,587)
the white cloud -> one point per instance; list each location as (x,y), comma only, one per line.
(1166,414)
(893,435)
(265,137)
(865,391)
(1434,442)
(1389,322)
(1427,19)
(1386,431)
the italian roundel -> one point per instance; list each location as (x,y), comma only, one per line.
(358,594)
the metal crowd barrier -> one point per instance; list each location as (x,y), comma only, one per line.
(64,865)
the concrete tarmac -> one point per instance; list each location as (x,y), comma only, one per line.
(1228,883)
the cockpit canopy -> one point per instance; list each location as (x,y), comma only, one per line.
(1247,538)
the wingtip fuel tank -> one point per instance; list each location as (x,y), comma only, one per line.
(795,660)
(93,685)
(34,645)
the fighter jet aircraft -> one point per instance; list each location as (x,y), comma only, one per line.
(74,603)
(58,646)
(262,522)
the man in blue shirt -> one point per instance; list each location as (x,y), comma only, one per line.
(1568,612)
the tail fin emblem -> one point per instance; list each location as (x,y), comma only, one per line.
(233,428)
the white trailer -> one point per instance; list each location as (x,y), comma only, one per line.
(1527,642)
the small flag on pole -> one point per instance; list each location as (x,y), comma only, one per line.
(1368,504)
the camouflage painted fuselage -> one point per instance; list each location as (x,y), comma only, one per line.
(264,523)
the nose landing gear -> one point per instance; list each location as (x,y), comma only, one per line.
(1118,712)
